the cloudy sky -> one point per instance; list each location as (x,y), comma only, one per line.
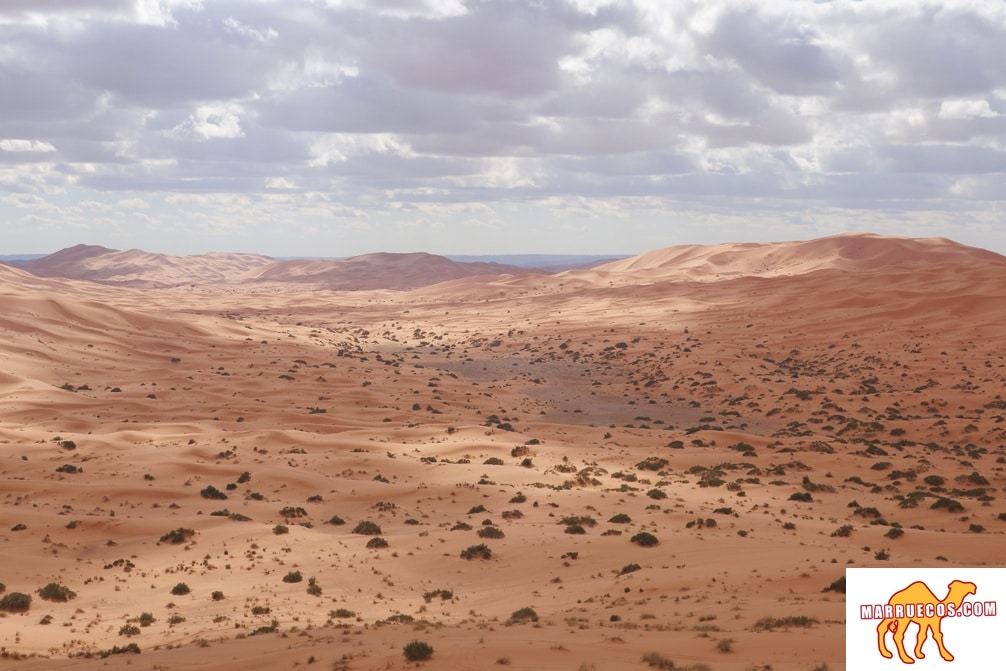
(339,127)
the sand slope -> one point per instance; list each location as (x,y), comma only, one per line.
(768,428)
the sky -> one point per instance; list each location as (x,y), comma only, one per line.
(342,127)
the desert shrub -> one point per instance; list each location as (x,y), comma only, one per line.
(417,651)
(951,505)
(620,518)
(575,529)
(293,576)
(336,520)
(801,496)
(129,629)
(175,619)
(493,461)
(518,498)
(658,661)
(116,650)
(475,510)
(843,531)
(281,529)
(181,589)
(179,535)
(629,568)
(461,526)
(657,494)
(291,511)
(770,623)
(211,492)
(837,586)
(146,619)
(644,539)
(376,543)
(367,528)
(652,464)
(895,532)
(313,588)
(480,551)
(261,610)
(341,613)
(56,592)
(524,615)
(244,477)
(217,595)
(491,532)
(444,594)
(934,480)
(15,602)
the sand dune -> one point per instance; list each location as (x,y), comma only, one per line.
(138,269)
(769,413)
(851,252)
(382,271)
(135,268)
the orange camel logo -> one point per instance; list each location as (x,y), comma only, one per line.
(917,603)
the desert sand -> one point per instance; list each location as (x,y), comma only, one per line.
(766,414)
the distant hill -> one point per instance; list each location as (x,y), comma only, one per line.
(137,268)
(851,251)
(382,271)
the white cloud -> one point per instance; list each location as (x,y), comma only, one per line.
(966,109)
(212,122)
(26,146)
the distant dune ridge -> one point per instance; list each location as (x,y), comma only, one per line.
(400,272)
(665,461)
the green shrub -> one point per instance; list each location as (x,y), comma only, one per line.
(212,492)
(217,595)
(417,651)
(146,619)
(620,518)
(116,650)
(181,589)
(281,529)
(336,520)
(644,539)
(444,594)
(377,543)
(179,535)
(293,576)
(524,614)
(491,532)
(367,528)
(770,623)
(480,551)
(129,630)
(629,568)
(56,592)
(15,602)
